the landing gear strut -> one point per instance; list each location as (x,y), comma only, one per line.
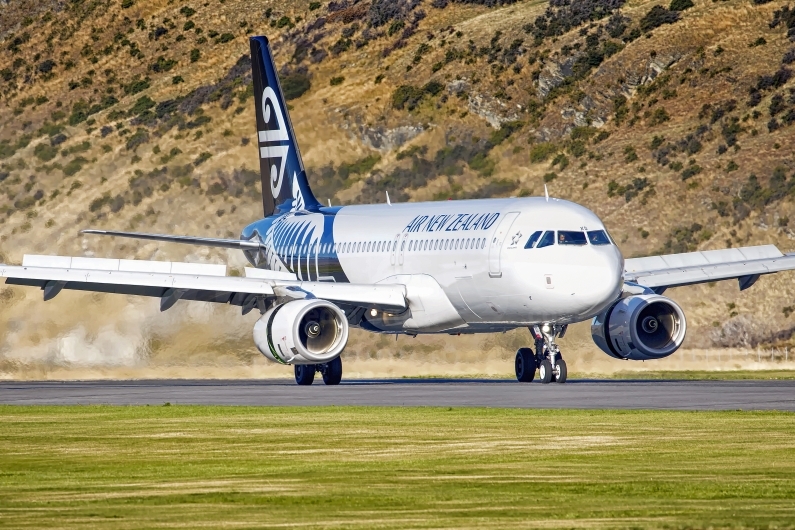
(547,357)
(331,372)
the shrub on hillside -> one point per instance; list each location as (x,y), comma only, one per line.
(541,151)
(45,152)
(140,137)
(359,167)
(505,130)
(408,96)
(563,15)
(141,105)
(656,17)
(481,163)
(7,149)
(295,85)
(136,86)
(162,65)
(74,166)
(776,80)
(660,115)
(681,5)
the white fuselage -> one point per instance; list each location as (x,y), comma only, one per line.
(474,250)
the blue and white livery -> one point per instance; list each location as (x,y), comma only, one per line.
(453,267)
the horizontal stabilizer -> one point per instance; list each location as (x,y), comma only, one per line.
(241,244)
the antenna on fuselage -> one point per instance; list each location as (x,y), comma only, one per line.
(387,199)
(546,192)
(329,203)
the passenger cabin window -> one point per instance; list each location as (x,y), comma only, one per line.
(571,238)
(547,240)
(598,237)
(532,241)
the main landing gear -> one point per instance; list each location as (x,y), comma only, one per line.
(546,358)
(331,372)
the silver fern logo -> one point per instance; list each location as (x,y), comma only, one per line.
(271,146)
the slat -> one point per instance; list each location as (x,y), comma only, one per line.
(694,259)
(689,275)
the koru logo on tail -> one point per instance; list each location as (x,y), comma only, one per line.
(272,139)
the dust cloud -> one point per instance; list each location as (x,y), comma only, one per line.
(97,336)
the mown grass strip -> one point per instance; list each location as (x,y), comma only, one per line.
(185,466)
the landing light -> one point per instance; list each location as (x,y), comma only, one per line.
(373,312)
(545,328)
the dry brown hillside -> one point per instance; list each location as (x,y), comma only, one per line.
(675,122)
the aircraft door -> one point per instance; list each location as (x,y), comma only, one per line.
(395,243)
(402,248)
(497,242)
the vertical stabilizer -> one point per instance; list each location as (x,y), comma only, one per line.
(284,183)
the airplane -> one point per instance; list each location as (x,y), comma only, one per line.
(451,267)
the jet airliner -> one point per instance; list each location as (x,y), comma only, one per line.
(452,267)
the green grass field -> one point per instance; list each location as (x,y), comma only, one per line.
(242,467)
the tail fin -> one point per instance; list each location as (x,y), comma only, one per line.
(284,183)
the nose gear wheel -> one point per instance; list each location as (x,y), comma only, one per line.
(547,358)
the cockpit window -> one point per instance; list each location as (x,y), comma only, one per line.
(598,237)
(571,238)
(547,240)
(533,239)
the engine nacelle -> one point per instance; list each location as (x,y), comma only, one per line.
(640,328)
(302,332)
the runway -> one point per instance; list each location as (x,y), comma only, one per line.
(579,394)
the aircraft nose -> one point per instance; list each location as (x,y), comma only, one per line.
(604,280)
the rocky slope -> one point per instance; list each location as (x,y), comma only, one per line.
(674,122)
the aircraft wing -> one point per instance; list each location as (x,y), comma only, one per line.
(173,281)
(745,264)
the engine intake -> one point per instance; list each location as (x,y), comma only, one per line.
(302,332)
(640,328)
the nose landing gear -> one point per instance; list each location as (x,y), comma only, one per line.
(547,358)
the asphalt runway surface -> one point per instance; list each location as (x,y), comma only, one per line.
(580,394)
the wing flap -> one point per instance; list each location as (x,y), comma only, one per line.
(137,279)
(122,265)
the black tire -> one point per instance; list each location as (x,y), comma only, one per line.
(561,372)
(332,375)
(545,371)
(525,365)
(304,374)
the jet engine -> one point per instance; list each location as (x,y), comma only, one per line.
(302,332)
(640,328)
